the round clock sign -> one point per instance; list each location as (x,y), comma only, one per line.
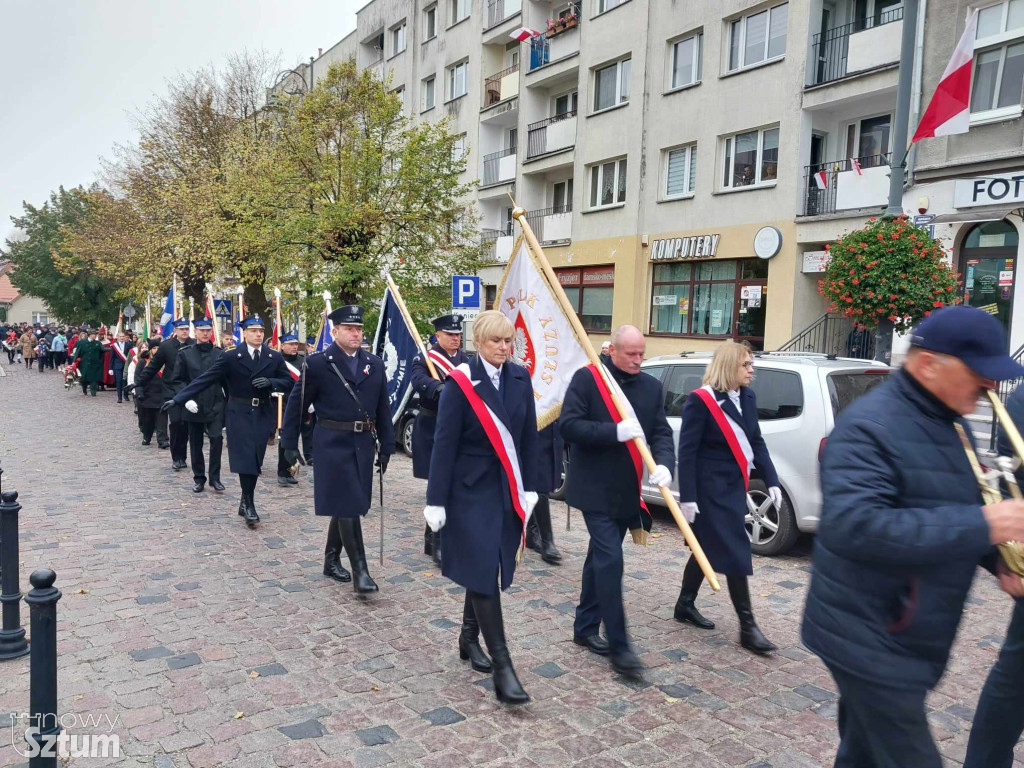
(767,242)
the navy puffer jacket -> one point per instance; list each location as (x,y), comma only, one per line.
(901,535)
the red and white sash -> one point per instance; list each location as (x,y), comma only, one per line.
(733,433)
(116,346)
(500,438)
(634,452)
(441,362)
(295,373)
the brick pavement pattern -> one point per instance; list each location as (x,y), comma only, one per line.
(216,645)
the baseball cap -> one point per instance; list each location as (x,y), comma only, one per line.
(972,335)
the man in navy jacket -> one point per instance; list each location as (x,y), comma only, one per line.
(602,482)
(902,531)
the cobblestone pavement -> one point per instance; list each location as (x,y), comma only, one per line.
(216,645)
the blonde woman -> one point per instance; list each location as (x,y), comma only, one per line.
(720,444)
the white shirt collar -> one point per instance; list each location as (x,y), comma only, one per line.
(252,350)
(734,395)
(494,374)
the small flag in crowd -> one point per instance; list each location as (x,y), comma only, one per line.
(949,111)
(323,336)
(393,344)
(167,318)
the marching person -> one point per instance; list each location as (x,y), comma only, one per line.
(349,390)
(89,356)
(148,402)
(119,351)
(604,483)
(28,343)
(539,535)
(902,531)
(720,444)
(481,489)
(248,374)
(293,362)
(162,364)
(204,414)
(59,349)
(446,354)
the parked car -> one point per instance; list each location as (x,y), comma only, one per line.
(799,396)
(403,429)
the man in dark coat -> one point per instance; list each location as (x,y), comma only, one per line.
(293,362)
(903,529)
(603,483)
(119,352)
(249,373)
(162,364)
(150,414)
(540,536)
(446,354)
(349,390)
(89,356)
(204,414)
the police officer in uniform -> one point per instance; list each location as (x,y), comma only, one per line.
(349,390)
(249,373)
(448,330)
(204,414)
(293,361)
(162,363)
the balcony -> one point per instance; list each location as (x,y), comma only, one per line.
(554,47)
(843,185)
(551,135)
(497,244)
(552,225)
(499,167)
(501,86)
(499,10)
(859,46)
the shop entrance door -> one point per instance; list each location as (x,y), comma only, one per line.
(988,261)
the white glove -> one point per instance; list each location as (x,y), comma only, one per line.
(627,429)
(435,517)
(661,475)
(531,502)
(110,372)
(689,510)
(310,409)
(1007,464)
(775,494)
(192,406)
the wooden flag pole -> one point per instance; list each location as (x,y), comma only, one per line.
(277,320)
(411,326)
(581,335)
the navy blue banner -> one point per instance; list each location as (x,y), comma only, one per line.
(396,347)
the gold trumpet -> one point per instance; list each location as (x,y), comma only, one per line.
(988,481)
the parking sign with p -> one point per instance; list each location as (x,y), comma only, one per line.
(466,294)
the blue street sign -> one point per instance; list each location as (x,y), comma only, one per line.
(222,307)
(465,292)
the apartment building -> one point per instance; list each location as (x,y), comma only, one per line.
(666,150)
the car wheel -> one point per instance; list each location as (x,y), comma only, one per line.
(407,437)
(771,531)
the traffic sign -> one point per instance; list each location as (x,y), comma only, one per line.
(465,293)
(222,307)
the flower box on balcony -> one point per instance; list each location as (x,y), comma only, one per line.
(560,25)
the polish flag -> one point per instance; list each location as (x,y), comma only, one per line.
(855,165)
(949,111)
(821,179)
(524,33)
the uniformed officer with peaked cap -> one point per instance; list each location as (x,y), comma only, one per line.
(249,373)
(204,414)
(162,364)
(446,355)
(349,390)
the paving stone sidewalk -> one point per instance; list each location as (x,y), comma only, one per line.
(215,645)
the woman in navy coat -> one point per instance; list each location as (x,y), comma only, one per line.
(468,494)
(712,488)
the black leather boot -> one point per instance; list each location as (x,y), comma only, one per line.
(686,612)
(251,518)
(241,505)
(469,640)
(751,636)
(542,514)
(533,533)
(332,553)
(506,685)
(352,539)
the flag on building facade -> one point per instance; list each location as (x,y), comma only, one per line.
(949,110)
(523,34)
(821,179)
(395,345)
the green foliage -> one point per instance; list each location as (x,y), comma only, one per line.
(887,270)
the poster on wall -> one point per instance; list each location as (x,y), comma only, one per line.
(684,305)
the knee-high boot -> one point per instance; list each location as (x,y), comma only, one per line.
(332,554)
(751,636)
(506,685)
(432,544)
(685,609)
(542,514)
(352,538)
(469,639)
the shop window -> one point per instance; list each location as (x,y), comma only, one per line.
(704,298)
(992,234)
(590,291)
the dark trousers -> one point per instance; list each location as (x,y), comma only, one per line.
(601,596)
(60,358)
(147,422)
(90,385)
(178,438)
(213,430)
(999,719)
(119,382)
(161,427)
(882,727)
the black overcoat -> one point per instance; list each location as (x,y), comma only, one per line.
(192,361)
(429,390)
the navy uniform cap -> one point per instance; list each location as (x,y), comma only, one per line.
(972,335)
(311,340)
(448,323)
(203,322)
(289,337)
(350,314)
(251,322)
(182,323)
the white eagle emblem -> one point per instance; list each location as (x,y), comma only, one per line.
(390,355)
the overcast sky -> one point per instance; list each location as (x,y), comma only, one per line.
(73,71)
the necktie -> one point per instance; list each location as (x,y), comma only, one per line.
(496,379)
(256,356)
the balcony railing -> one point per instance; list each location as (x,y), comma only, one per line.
(820,195)
(831,48)
(551,225)
(827,335)
(499,10)
(492,85)
(497,243)
(538,142)
(496,171)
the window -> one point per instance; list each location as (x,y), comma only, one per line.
(566,103)
(758,37)
(868,139)
(608,184)
(611,85)
(999,58)
(460,10)
(398,39)
(40,318)
(701,298)
(457,80)
(561,196)
(679,381)
(780,394)
(427,91)
(607,5)
(459,147)
(680,171)
(685,64)
(751,158)
(429,23)
(400,95)
(590,292)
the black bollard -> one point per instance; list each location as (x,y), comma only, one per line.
(12,636)
(42,602)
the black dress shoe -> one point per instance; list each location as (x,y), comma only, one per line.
(471,650)
(286,480)
(146,442)
(163,446)
(627,664)
(251,518)
(198,487)
(685,612)
(594,643)
(216,484)
(176,465)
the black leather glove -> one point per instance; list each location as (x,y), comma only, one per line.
(168,404)
(291,456)
(261,383)
(382,462)
(138,393)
